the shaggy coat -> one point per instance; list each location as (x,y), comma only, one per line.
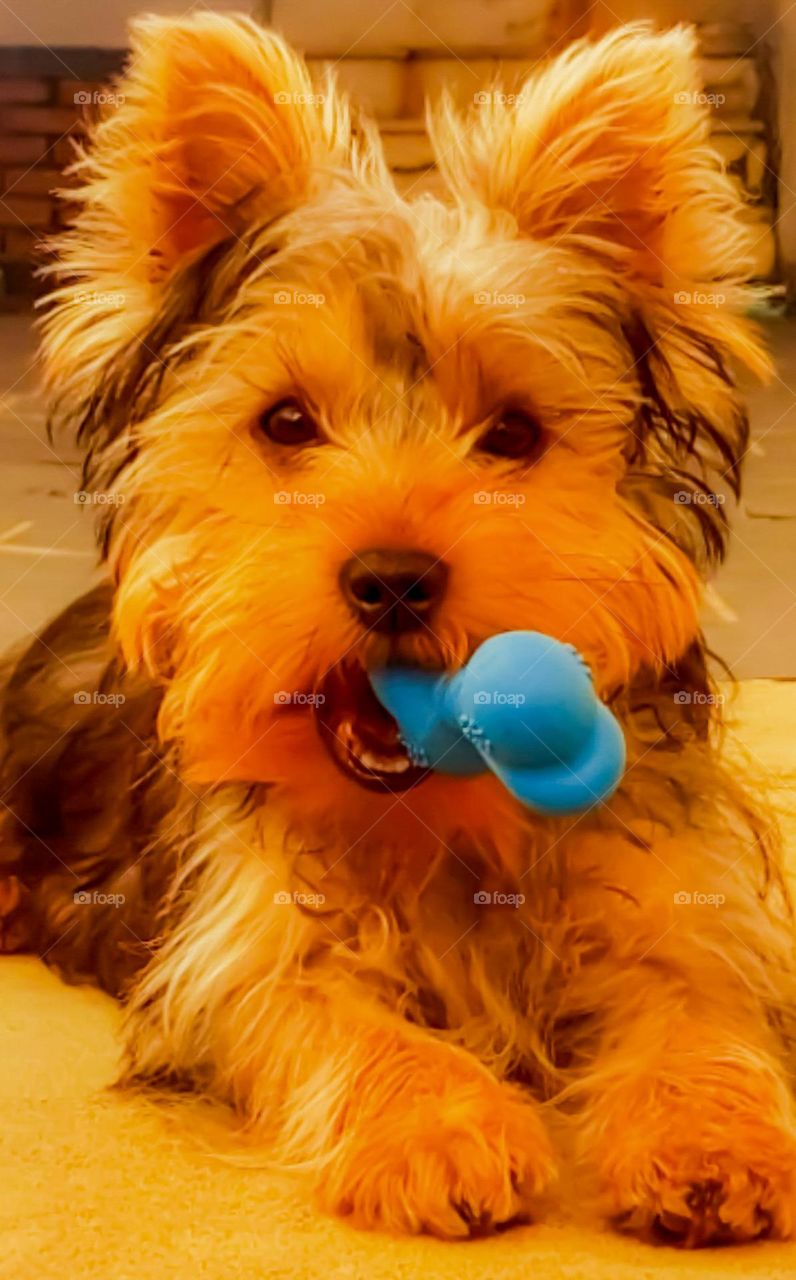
(275,363)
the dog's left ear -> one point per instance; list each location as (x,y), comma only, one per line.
(605,147)
(606,151)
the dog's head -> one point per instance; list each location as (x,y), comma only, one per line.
(336,425)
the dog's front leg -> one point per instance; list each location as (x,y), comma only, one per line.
(261,1003)
(692,1128)
(425,1138)
(403,1132)
(687,1114)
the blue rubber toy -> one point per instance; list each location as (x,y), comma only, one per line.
(524,706)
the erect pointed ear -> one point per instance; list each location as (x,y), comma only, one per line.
(217,122)
(606,152)
(606,143)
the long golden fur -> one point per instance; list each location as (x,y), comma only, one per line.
(383,1027)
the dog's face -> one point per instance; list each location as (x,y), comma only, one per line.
(348,427)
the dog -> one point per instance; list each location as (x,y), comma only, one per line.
(326,426)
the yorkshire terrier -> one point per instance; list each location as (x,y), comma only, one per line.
(328,425)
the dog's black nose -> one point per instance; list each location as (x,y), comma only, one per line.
(393,591)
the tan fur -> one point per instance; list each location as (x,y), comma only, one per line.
(376,1035)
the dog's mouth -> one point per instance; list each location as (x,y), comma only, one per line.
(360,735)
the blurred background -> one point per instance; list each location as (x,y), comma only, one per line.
(55,60)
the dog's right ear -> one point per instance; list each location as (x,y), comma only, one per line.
(216,122)
(214,130)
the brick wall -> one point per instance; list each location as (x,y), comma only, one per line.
(43,101)
(45,96)
(38,119)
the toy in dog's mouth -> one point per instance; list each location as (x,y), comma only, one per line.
(360,735)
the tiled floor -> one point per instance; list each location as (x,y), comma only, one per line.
(47,556)
(47,553)
(757,585)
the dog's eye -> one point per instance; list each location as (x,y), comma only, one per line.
(289,423)
(513,435)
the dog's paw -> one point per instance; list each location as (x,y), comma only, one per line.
(720,1177)
(453,1153)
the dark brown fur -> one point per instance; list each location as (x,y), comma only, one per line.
(87,803)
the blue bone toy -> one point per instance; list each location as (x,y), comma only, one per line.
(524,706)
